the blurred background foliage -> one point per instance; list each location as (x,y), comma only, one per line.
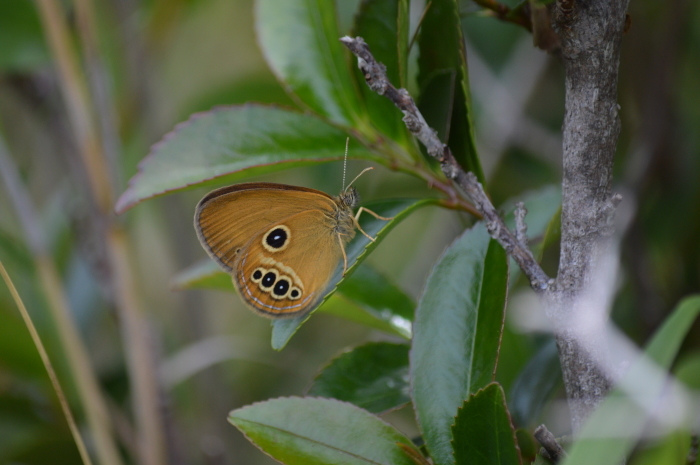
(162,60)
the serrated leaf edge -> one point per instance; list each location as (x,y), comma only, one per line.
(505,407)
(124,203)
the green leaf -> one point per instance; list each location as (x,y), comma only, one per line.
(457,334)
(687,370)
(552,234)
(535,384)
(527,444)
(22,44)
(669,450)
(357,250)
(376,293)
(615,427)
(299,39)
(227,144)
(312,431)
(17,350)
(442,51)
(367,297)
(384,306)
(341,306)
(436,101)
(383,24)
(483,434)
(373,376)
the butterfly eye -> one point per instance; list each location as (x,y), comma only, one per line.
(257,275)
(268,280)
(277,238)
(294,293)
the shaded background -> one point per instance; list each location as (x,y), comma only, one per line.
(161,61)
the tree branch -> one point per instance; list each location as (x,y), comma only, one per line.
(375,75)
(590,34)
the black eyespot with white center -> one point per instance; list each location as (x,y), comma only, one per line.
(257,275)
(277,238)
(268,280)
(281,288)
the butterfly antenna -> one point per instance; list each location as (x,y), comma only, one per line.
(363,172)
(345,161)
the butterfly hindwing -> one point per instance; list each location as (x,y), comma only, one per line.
(289,281)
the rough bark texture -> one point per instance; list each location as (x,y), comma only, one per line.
(590,33)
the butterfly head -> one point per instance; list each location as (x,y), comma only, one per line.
(349,197)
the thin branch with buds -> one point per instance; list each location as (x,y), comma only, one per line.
(375,75)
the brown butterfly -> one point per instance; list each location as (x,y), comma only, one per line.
(280,243)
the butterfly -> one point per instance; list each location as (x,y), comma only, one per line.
(280,243)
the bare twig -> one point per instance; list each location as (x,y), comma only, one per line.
(375,75)
(520,225)
(554,450)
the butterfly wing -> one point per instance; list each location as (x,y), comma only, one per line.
(277,241)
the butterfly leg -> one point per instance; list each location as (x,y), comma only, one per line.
(363,209)
(345,257)
(357,222)
(357,225)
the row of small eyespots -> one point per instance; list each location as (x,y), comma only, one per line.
(279,287)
